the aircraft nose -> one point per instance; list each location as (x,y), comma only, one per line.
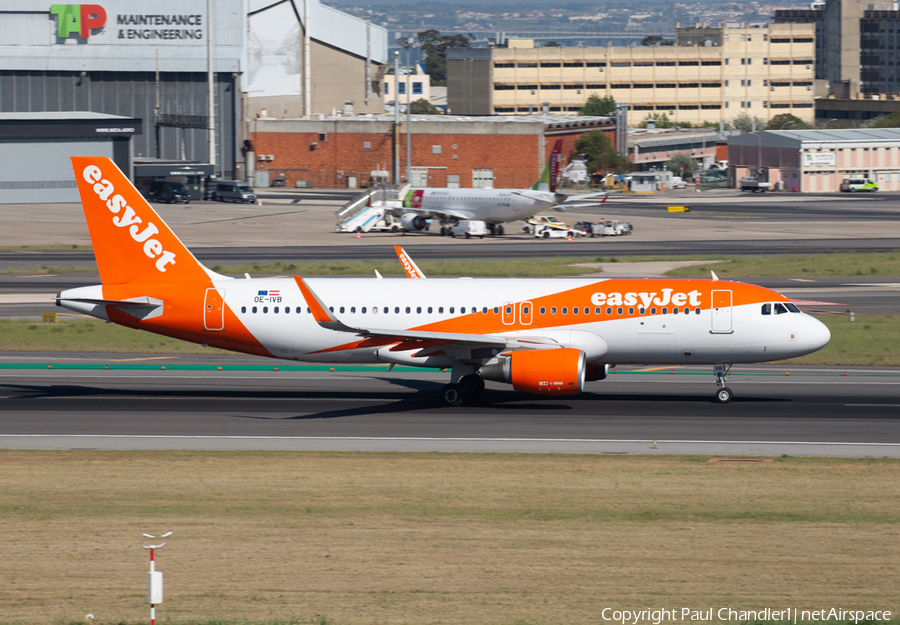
(817,334)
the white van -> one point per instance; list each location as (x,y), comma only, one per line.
(469,228)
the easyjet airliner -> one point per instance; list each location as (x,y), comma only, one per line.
(543,336)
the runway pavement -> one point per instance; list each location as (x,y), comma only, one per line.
(135,404)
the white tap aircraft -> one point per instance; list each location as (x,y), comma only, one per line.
(543,336)
(492,206)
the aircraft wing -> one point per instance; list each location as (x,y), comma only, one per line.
(601,197)
(415,339)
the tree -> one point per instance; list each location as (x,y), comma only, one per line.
(744,123)
(552,44)
(595,105)
(656,40)
(434,48)
(886,121)
(786,121)
(601,156)
(662,120)
(682,164)
(423,107)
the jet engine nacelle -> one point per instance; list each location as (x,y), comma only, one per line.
(411,221)
(540,371)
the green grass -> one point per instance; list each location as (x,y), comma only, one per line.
(864,264)
(871,340)
(77,334)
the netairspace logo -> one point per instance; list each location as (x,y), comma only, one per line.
(794,615)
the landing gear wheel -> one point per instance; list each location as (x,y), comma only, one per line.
(492,229)
(472,385)
(451,395)
(724,395)
(499,231)
(443,231)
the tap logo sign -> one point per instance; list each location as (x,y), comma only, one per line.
(80,19)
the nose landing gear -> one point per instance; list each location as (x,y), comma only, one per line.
(724,394)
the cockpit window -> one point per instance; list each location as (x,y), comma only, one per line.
(792,307)
(767,309)
(780,308)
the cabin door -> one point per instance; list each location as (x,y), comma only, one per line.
(721,312)
(214,310)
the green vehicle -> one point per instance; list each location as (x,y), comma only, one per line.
(858,184)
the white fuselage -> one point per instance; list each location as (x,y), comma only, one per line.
(489,205)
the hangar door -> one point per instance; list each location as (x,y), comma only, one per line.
(21,182)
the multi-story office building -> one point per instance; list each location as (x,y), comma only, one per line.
(712,75)
(857,43)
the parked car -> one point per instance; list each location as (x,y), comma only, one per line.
(858,184)
(539,221)
(678,182)
(234,191)
(749,183)
(168,191)
(469,228)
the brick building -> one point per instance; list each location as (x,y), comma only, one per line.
(447,151)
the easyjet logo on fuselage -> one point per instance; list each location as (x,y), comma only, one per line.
(664,297)
(129,219)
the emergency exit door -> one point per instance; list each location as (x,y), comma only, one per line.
(214,311)
(721,312)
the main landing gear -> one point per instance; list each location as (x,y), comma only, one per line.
(469,386)
(724,394)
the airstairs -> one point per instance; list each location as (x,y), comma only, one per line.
(376,209)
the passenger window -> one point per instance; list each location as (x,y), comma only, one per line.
(462,310)
(598,310)
(419,310)
(254,309)
(553,310)
(697,310)
(674,311)
(484,310)
(641,310)
(565,310)
(767,309)
(451,310)
(287,310)
(265,309)
(374,310)
(353,309)
(308,311)
(780,308)
(665,311)
(792,307)
(609,310)
(496,310)
(653,311)
(687,311)
(587,310)
(440,310)
(509,310)
(331,308)
(619,310)
(543,310)
(342,310)
(397,309)
(525,310)
(408,310)
(631,311)
(575,310)
(429,310)
(243,309)
(363,310)
(386,310)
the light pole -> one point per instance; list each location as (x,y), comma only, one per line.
(154,578)
(396,117)
(408,44)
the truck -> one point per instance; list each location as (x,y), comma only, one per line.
(748,183)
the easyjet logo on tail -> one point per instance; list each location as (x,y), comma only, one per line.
(128,219)
(664,297)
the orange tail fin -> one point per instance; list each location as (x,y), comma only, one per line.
(130,240)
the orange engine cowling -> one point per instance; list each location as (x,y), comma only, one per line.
(542,372)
